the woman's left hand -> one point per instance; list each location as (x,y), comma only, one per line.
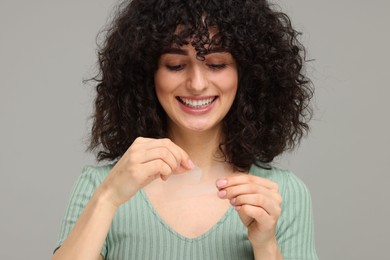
(258,203)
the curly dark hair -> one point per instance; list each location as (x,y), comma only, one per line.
(271,110)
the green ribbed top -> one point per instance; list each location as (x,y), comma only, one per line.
(138,232)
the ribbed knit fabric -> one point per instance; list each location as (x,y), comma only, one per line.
(138,232)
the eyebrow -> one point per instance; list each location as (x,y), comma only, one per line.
(172,50)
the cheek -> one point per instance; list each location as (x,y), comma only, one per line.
(158,87)
(159,82)
(164,85)
(161,96)
(164,81)
(229,82)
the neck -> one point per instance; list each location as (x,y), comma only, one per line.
(202,147)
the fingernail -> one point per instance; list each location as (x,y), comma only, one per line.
(222,193)
(233,201)
(221,183)
(190,164)
(237,208)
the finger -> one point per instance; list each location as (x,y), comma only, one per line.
(247,188)
(269,204)
(182,158)
(161,153)
(246,178)
(180,170)
(141,140)
(164,177)
(249,213)
(157,168)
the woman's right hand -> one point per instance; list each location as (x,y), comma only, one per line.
(146,160)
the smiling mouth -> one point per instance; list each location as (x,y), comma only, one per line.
(196,103)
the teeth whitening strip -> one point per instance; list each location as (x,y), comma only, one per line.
(190,185)
(190,177)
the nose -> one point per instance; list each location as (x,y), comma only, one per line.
(197,80)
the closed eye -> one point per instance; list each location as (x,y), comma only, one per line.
(216,66)
(175,67)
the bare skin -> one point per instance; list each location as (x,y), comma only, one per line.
(192,204)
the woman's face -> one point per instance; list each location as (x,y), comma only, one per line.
(195,94)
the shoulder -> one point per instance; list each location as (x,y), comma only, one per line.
(288,182)
(101,170)
(87,182)
(295,225)
(94,175)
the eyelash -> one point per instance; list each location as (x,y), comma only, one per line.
(175,67)
(216,66)
(181,67)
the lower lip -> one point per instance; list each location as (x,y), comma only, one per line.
(197,111)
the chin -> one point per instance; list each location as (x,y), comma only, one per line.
(197,125)
(197,128)
(200,127)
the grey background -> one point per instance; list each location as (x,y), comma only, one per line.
(48,47)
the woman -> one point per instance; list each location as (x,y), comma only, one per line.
(211,87)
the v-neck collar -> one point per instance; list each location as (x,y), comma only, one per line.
(174,232)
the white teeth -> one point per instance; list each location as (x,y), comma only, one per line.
(196,103)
